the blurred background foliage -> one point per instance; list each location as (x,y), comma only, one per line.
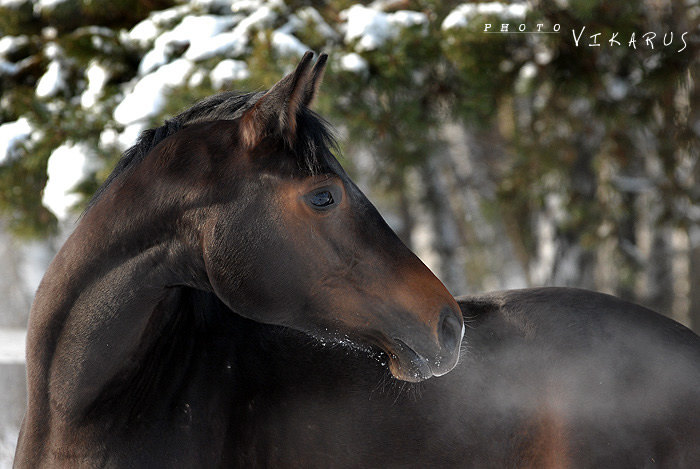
(504,160)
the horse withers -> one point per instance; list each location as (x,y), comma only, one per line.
(238,200)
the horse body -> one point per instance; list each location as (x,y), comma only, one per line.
(552,377)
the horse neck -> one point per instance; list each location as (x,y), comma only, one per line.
(96,302)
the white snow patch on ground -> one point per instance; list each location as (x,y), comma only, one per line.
(68,165)
(460,16)
(12,343)
(148,96)
(36,257)
(52,81)
(8,442)
(228,70)
(12,133)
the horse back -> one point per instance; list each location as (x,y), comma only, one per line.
(593,379)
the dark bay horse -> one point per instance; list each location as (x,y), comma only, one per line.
(547,377)
(239,200)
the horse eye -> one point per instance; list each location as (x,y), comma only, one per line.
(322,199)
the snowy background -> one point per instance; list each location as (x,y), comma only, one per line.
(86,107)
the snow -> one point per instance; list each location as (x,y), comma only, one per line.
(8,68)
(110,138)
(12,3)
(252,5)
(353,62)
(148,96)
(287,45)
(130,134)
(371,28)
(153,59)
(460,16)
(11,134)
(234,43)
(36,255)
(144,32)
(262,17)
(407,18)
(226,44)
(52,81)
(528,71)
(97,77)
(191,30)
(68,165)
(48,3)
(197,78)
(165,18)
(228,70)
(9,44)
(209,4)
(617,88)
(40,5)
(12,344)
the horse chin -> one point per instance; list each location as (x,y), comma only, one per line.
(406,365)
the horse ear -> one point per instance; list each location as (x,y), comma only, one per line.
(316,77)
(276,110)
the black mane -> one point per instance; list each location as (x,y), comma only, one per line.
(315,136)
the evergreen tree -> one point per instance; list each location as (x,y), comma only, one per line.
(551,157)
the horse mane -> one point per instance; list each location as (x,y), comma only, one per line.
(315,136)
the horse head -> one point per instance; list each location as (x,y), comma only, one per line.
(283,236)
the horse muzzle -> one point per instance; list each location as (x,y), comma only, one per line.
(414,360)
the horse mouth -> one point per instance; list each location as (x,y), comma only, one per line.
(407,365)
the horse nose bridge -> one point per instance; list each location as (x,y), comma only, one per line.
(419,291)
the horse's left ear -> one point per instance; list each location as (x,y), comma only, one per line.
(276,111)
(315,82)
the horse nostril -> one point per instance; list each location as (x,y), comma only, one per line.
(449,330)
